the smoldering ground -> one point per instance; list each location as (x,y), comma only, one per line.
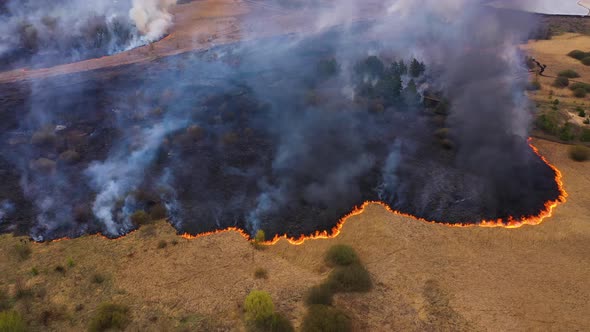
(285,134)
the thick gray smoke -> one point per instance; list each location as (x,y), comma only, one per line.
(288,133)
(152,17)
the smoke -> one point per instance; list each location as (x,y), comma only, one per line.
(152,17)
(287,133)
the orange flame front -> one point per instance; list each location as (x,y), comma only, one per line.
(511,222)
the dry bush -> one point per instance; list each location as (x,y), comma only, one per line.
(325,318)
(321,294)
(261,273)
(579,153)
(110,317)
(341,255)
(12,321)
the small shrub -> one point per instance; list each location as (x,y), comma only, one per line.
(21,290)
(579,153)
(279,323)
(561,82)
(259,307)
(586,61)
(22,251)
(321,318)
(162,244)
(580,93)
(97,278)
(70,262)
(570,73)
(577,54)
(259,239)
(110,317)
(587,121)
(585,136)
(581,112)
(321,294)
(341,255)
(352,278)
(34,271)
(12,321)
(174,242)
(548,122)
(60,269)
(261,273)
(140,217)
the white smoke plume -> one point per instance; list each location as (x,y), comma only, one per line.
(152,17)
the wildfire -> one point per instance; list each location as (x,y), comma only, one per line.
(511,222)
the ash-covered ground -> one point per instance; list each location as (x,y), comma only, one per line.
(282,134)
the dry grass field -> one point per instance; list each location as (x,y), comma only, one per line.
(426,277)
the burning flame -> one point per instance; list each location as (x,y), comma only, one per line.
(511,222)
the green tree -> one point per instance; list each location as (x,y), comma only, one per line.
(417,68)
(259,307)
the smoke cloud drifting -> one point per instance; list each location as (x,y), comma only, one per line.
(286,133)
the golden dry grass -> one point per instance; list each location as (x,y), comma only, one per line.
(426,277)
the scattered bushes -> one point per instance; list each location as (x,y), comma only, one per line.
(110,317)
(586,61)
(581,112)
(566,133)
(578,85)
(261,273)
(579,153)
(341,255)
(548,122)
(12,321)
(585,136)
(140,217)
(321,294)
(561,82)
(322,318)
(259,307)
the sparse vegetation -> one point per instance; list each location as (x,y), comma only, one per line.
(162,244)
(110,317)
(60,269)
(12,321)
(98,278)
(566,133)
(341,255)
(580,93)
(585,136)
(581,112)
(579,153)
(70,262)
(322,318)
(261,273)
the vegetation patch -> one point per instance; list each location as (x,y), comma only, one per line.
(341,255)
(579,153)
(261,273)
(22,251)
(260,314)
(322,318)
(321,294)
(352,278)
(569,73)
(109,317)
(12,321)
(561,82)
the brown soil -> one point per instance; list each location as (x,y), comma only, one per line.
(427,277)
